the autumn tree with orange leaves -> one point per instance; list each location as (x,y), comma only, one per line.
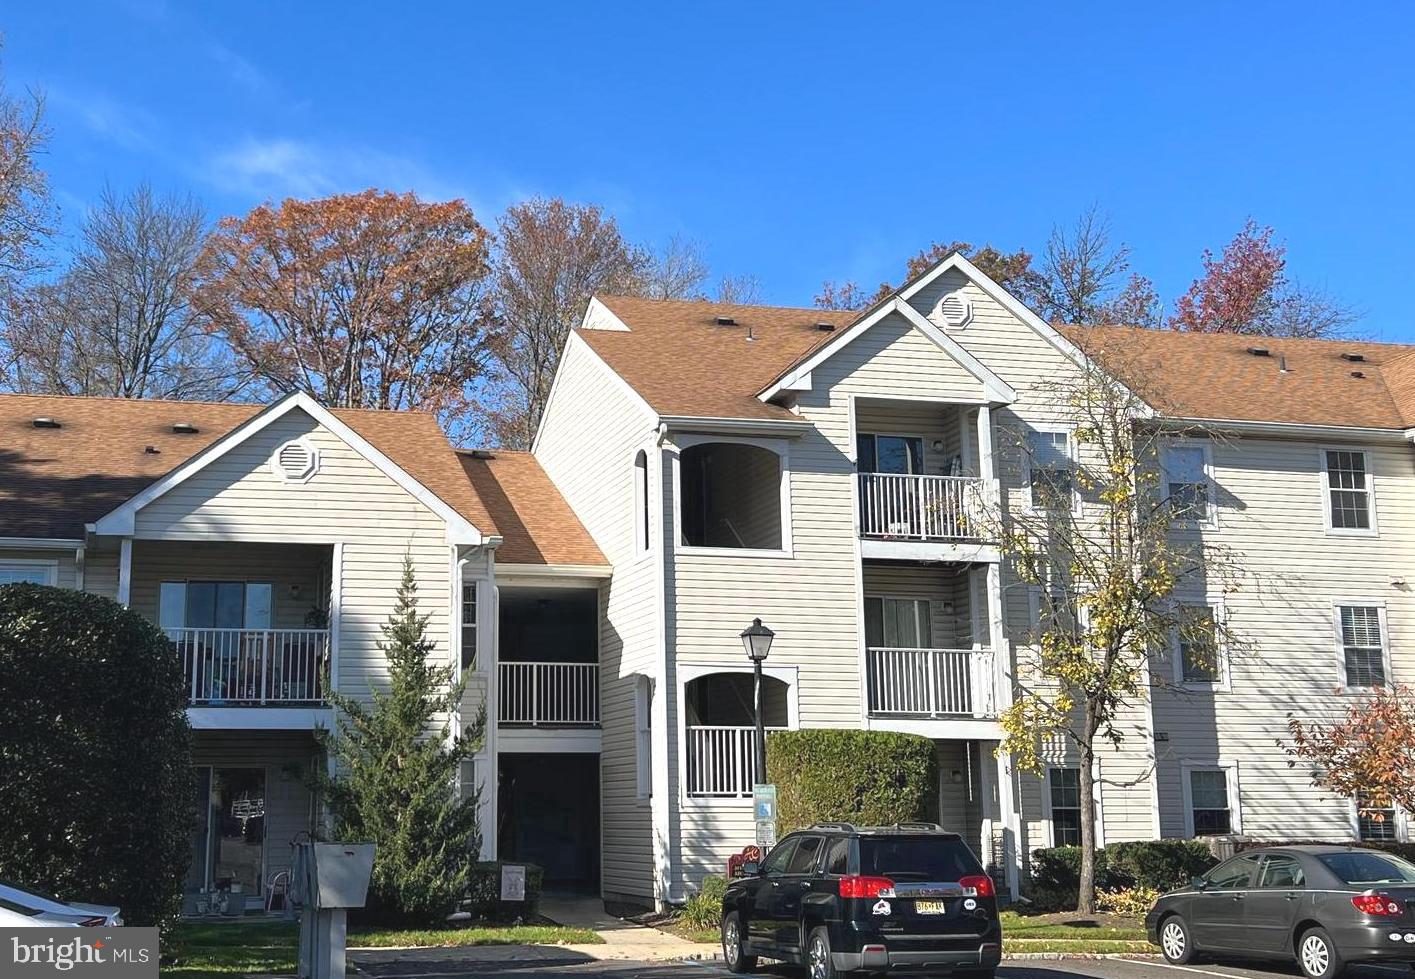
(368,300)
(1367,756)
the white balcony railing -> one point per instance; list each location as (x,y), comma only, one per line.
(253,667)
(549,694)
(909,507)
(932,682)
(722,761)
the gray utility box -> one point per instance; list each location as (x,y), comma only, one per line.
(341,874)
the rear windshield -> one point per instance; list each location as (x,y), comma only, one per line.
(1357,867)
(31,891)
(917,858)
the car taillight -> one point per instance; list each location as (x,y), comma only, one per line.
(981,885)
(856,885)
(1377,904)
(93,922)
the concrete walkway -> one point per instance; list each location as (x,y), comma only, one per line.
(623,940)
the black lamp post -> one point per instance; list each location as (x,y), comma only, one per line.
(756,639)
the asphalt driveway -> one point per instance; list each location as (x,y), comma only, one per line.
(545,962)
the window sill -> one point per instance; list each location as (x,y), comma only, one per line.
(691,550)
(1351,532)
(1193,686)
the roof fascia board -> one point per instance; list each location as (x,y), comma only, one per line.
(596,572)
(1239,426)
(1014,306)
(122,520)
(41,543)
(681,424)
(997,389)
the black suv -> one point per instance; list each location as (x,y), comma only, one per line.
(898,900)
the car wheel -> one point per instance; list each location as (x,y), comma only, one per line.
(1317,955)
(819,964)
(733,955)
(1175,943)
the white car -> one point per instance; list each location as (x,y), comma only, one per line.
(18,916)
(98,915)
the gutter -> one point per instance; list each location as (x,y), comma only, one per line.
(735,426)
(1290,429)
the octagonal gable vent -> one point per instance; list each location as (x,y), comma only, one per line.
(955,311)
(295,461)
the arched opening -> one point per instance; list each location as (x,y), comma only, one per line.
(731,496)
(641,501)
(721,731)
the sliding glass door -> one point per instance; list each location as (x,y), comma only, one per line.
(228,841)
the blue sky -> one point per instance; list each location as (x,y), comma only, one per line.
(797,142)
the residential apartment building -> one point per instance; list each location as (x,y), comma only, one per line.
(700,466)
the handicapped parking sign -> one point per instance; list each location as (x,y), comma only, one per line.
(764,813)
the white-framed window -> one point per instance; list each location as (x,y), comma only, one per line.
(469,625)
(1361,644)
(18,571)
(1051,468)
(643,737)
(1348,491)
(1211,802)
(897,623)
(1198,652)
(1064,795)
(733,496)
(641,502)
(1375,825)
(1188,482)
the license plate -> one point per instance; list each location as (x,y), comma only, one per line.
(930,907)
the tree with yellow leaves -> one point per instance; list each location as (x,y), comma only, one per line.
(1113,549)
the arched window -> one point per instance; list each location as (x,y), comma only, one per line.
(641,501)
(730,496)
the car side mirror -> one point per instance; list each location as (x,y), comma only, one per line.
(1199,883)
(751,868)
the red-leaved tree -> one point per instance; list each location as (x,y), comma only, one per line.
(1368,755)
(1246,290)
(368,300)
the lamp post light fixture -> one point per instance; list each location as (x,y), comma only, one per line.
(756,640)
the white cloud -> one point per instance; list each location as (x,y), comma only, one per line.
(125,125)
(273,169)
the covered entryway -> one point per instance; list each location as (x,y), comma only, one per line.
(548,815)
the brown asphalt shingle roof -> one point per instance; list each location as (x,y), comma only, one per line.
(682,363)
(536,524)
(1213,376)
(55,480)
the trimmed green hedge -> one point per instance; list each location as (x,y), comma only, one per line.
(1162,865)
(95,753)
(484,894)
(865,777)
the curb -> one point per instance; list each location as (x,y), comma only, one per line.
(706,956)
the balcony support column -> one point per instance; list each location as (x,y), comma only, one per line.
(986,467)
(125,571)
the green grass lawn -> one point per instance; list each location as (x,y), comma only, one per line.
(219,951)
(1053,926)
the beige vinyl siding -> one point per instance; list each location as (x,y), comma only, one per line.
(101,570)
(930,422)
(588,439)
(810,598)
(1033,367)
(288,567)
(943,586)
(1271,517)
(63,561)
(960,803)
(238,498)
